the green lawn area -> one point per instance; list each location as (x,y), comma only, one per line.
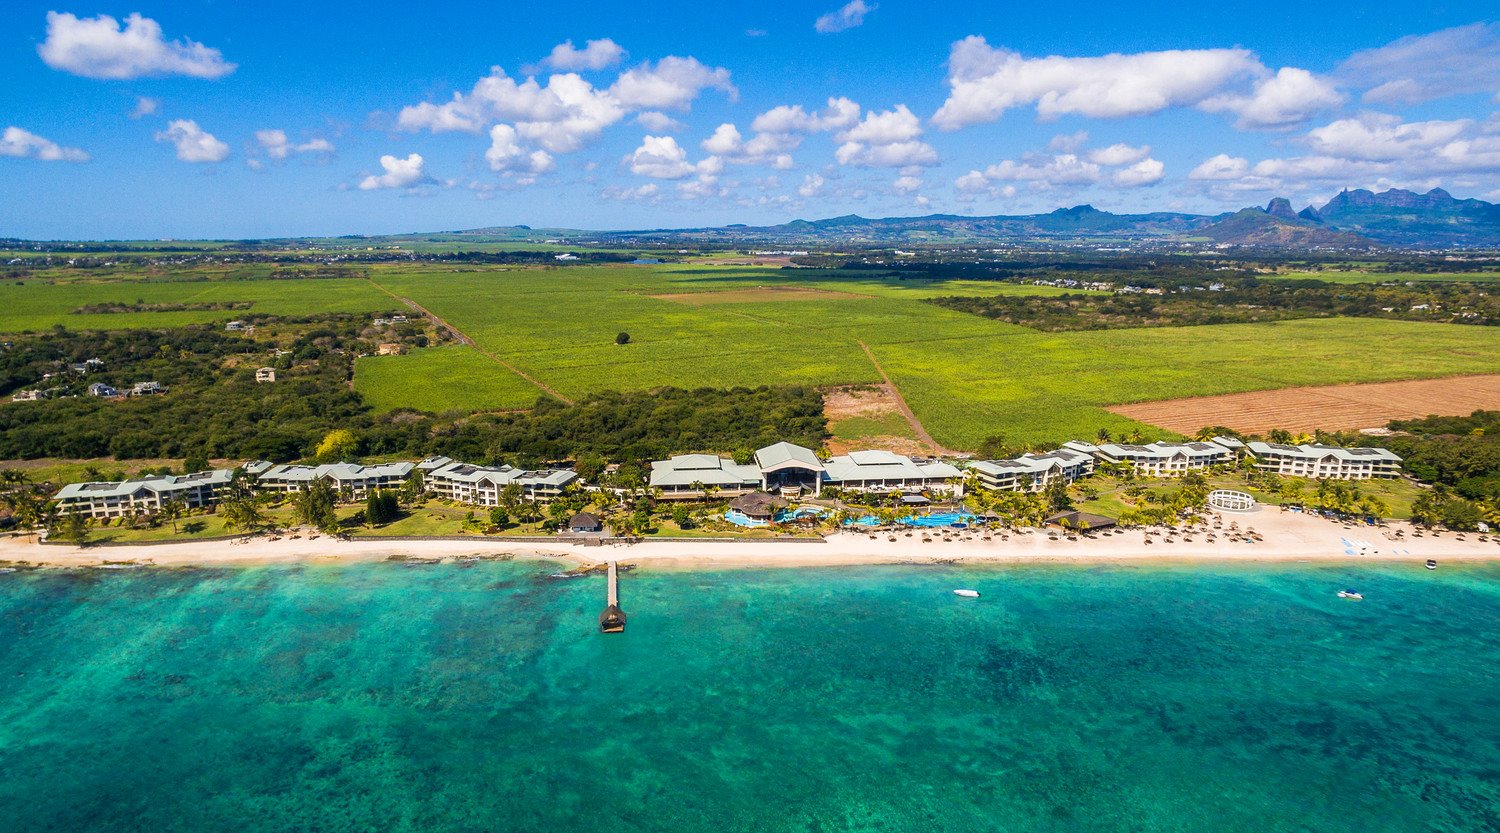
(860,427)
(1397,493)
(965,376)
(439,379)
(35,306)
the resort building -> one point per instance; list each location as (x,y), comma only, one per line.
(789,469)
(792,470)
(1325,461)
(1159,459)
(482,485)
(885,471)
(690,476)
(349,479)
(1032,472)
(142,495)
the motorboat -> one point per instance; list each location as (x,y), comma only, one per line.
(1351,594)
(967,594)
(1431,565)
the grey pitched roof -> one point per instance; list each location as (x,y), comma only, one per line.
(785,455)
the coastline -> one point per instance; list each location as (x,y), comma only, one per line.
(1285,537)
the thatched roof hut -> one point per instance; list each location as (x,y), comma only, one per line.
(758,506)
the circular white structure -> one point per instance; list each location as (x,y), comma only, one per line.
(1228,500)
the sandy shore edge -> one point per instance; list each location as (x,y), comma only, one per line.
(1286,536)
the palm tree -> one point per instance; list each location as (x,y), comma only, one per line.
(171,511)
(1102,435)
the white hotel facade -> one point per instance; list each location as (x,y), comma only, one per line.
(1325,461)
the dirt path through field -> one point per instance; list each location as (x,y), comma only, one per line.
(1329,407)
(463,337)
(905,409)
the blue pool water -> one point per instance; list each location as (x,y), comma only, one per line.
(925,521)
(739,518)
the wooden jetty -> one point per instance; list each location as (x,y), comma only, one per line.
(612,620)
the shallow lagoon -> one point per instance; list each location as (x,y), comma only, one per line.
(479,697)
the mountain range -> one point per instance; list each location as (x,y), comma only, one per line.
(1352,219)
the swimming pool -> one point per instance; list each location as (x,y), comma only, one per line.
(941,519)
(922,521)
(739,518)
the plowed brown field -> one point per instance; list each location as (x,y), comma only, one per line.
(1333,407)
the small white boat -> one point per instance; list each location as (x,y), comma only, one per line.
(1351,594)
(1431,565)
(967,594)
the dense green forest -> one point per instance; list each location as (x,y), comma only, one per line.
(214,407)
(1231,301)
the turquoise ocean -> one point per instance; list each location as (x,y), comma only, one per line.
(480,697)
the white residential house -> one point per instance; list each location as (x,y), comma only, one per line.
(146,389)
(234,326)
(350,479)
(145,494)
(1159,459)
(482,485)
(1325,461)
(32,395)
(1032,472)
(101,389)
(265,374)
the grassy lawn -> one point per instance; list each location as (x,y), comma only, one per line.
(440,379)
(1398,494)
(857,428)
(35,306)
(966,377)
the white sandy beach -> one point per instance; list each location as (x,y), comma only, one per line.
(1286,536)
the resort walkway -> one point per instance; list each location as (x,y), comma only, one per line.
(463,337)
(905,409)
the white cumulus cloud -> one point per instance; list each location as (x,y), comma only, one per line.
(399,173)
(840,114)
(27,145)
(507,154)
(1118,154)
(670,84)
(660,157)
(1143,173)
(888,139)
(193,143)
(277,146)
(100,47)
(1220,167)
(847,16)
(596,54)
(763,149)
(1284,100)
(985,81)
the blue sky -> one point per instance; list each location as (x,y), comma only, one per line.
(212,119)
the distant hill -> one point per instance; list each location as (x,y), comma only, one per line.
(1353,219)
